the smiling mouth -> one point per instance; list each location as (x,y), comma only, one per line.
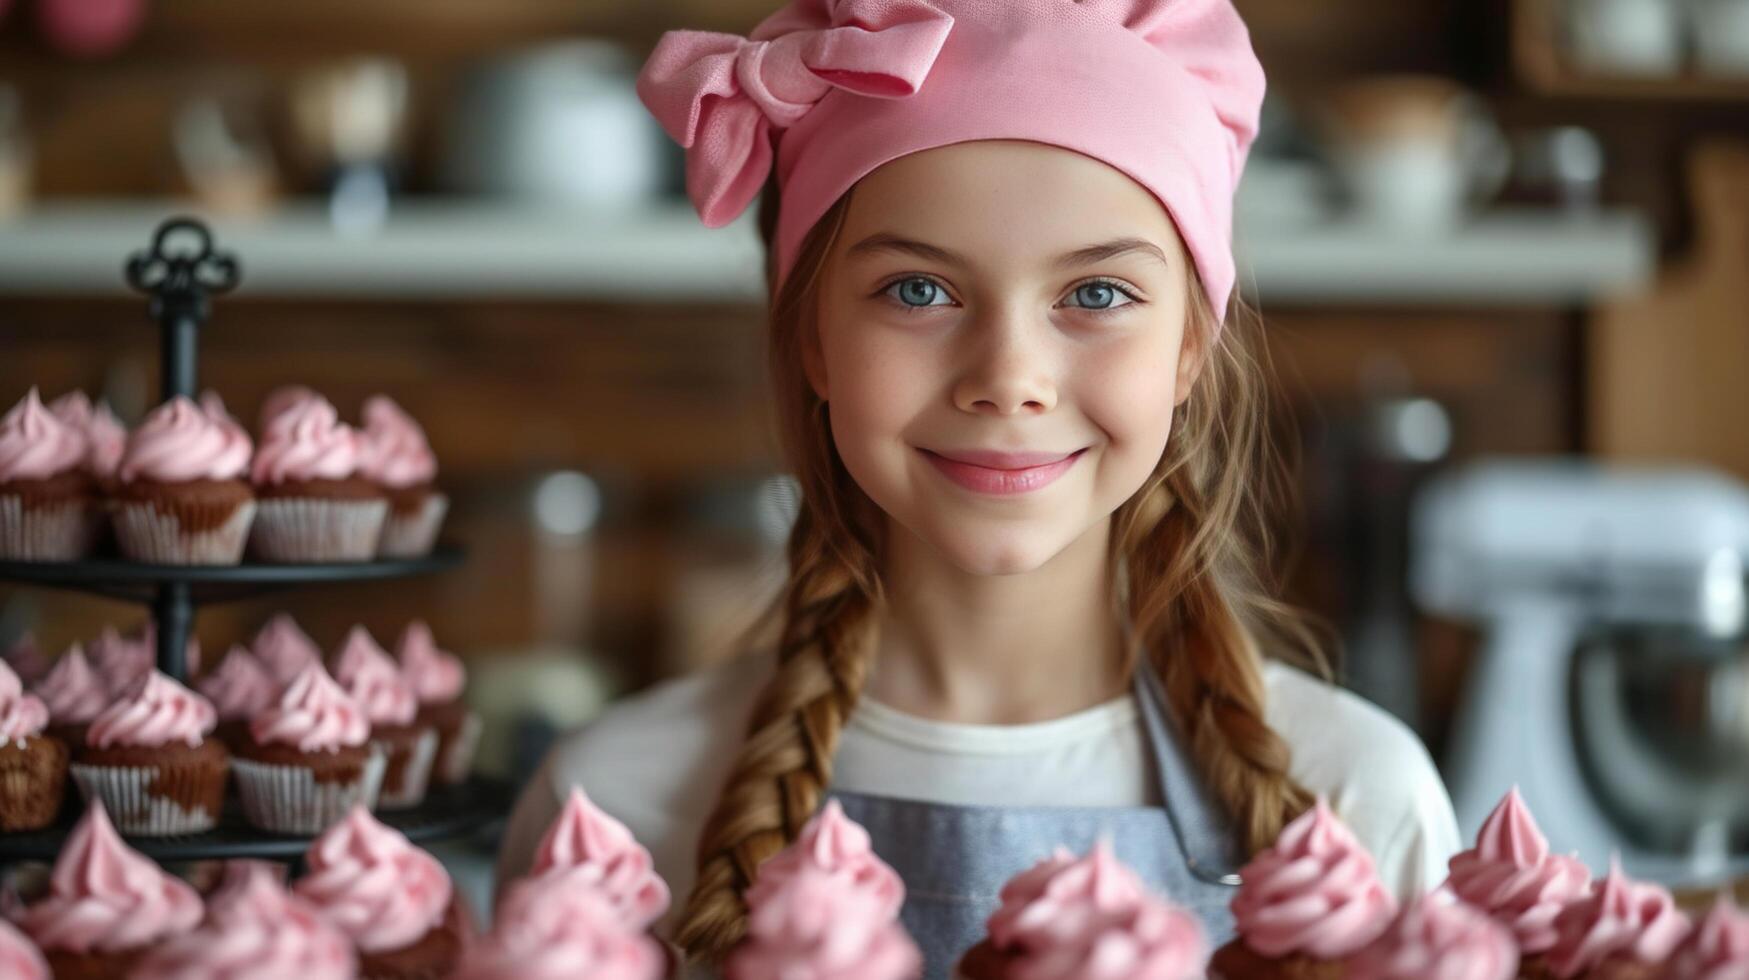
(1002,473)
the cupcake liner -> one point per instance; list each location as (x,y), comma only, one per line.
(414,771)
(310,529)
(458,756)
(127,793)
(47,532)
(413,535)
(32,781)
(289,800)
(144,533)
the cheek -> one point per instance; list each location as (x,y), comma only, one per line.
(1129,393)
(878,385)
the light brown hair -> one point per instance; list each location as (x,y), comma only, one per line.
(1191,555)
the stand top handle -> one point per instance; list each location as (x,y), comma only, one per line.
(168,271)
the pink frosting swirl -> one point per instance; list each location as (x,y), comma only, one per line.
(284,649)
(19,957)
(26,659)
(834,842)
(256,932)
(584,837)
(178,443)
(366,672)
(314,714)
(437,677)
(1511,875)
(375,885)
(1717,949)
(1439,938)
(396,453)
(306,441)
(821,925)
(239,687)
(105,436)
(106,897)
(280,399)
(1632,920)
(214,406)
(155,711)
(1047,904)
(72,691)
(35,444)
(1316,892)
(557,928)
(1151,940)
(21,715)
(122,661)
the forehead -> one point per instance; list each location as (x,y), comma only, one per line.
(1005,201)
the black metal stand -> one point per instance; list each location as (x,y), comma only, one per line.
(180,278)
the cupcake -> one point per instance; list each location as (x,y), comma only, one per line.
(148,759)
(50,508)
(1306,905)
(181,497)
(391,898)
(239,689)
(1511,875)
(105,436)
(556,928)
(26,659)
(284,649)
(835,842)
(107,904)
(398,459)
(255,931)
(819,923)
(280,399)
(1623,930)
(365,672)
(1716,949)
(308,758)
(33,766)
(584,837)
(314,505)
(438,679)
(1086,917)
(1439,936)
(121,661)
(74,695)
(19,957)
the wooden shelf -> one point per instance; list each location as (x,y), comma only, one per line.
(1543,67)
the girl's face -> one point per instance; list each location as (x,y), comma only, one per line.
(1002,341)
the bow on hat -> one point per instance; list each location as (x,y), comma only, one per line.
(720,95)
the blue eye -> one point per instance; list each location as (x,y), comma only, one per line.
(1100,296)
(917,292)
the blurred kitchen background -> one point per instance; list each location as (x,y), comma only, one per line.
(1501,246)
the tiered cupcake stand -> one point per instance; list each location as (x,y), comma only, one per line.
(180,281)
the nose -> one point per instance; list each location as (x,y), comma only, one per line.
(1009,369)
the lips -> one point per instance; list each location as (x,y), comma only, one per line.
(984,471)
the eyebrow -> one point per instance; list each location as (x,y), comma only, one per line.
(886,242)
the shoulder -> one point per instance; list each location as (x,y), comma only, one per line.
(1374,771)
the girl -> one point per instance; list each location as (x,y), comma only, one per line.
(1027,599)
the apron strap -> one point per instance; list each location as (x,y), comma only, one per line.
(1205,832)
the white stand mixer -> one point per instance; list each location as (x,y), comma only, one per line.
(1538,553)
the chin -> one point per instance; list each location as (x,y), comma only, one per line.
(978,550)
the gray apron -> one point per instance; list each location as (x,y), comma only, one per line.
(955,859)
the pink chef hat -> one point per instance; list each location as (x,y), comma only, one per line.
(1167,91)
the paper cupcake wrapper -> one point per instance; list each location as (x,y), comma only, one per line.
(288,800)
(56,532)
(415,775)
(143,533)
(307,529)
(412,535)
(31,790)
(134,810)
(458,756)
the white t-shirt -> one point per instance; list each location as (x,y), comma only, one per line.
(657,760)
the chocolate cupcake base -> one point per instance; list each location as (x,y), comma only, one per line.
(319,521)
(156,790)
(33,779)
(458,738)
(58,518)
(285,791)
(92,966)
(415,516)
(409,752)
(431,958)
(201,522)
(1237,961)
